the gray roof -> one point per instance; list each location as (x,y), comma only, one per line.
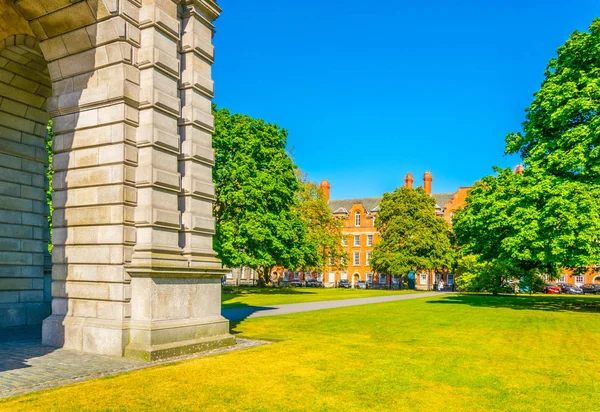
(372,203)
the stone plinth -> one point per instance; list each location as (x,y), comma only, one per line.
(175,312)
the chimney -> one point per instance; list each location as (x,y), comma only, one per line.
(408,180)
(519,169)
(427,179)
(326,189)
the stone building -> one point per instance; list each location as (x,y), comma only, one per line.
(128,86)
(360,234)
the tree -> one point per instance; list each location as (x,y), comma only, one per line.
(258,221)
(548,217)
(561,133)
(534,222)
(412,236)
(324,231)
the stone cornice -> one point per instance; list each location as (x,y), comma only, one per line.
(209,8)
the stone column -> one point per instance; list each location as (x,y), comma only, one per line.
(176,305)
(91,51)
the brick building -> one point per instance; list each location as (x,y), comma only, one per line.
(360,234)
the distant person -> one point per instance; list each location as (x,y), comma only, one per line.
(441,286)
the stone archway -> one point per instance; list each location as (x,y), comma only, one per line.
(128,85)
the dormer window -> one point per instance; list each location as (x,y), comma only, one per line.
(357,219)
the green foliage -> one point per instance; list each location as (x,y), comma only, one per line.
(412,236)
(562,129)
(535,222)
(258,221)
(324,231)
(547,218)
(475,275)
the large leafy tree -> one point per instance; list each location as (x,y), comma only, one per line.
(561,133)
(324,231)
(534,222)
(258,221)
(548,217)
(412,236)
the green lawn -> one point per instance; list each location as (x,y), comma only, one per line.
(253,296)
(450,353)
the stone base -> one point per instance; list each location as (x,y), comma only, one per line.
(169,350)
(103,337)
(175,311)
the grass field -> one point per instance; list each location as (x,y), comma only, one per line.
(252,296)
(450,353)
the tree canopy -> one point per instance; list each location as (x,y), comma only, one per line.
(259,224)
(534,222)
(412,236)
(548,217)
(561,133)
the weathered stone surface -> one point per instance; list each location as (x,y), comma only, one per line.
(132,184)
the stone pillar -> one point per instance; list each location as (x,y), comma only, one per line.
(176,289)
(91,52)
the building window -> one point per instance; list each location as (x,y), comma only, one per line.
(296,276)
(563,278)
(344,275)
(331,261)
(357,219)
(368,262)
(374,220)
(345,241)
(331,277)
(579,280)
(450,279)
(369,240)
(230,275)
(320,277)
(356,240)
(356,258)
(369,277)
(423,278)
(382,278)
(343,260)
(286,277)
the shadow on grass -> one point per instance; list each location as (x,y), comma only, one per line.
(544,303)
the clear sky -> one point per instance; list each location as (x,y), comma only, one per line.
(370,90)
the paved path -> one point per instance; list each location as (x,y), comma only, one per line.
(273,310)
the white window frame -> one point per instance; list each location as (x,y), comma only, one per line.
(344,276)
(356,240)
(369,277)
(286,276)
(296,276)
(229,275)
(563,278)
(423,278)
(369,240)
(343,261)
(382,279)
(345,241)
(368,261)
(357,219)
(579,280)
(331,261)
(356,260)
(331,277)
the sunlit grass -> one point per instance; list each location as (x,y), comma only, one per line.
(448,353)
(253,296)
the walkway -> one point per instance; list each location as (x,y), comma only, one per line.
(256,312)
(27,366)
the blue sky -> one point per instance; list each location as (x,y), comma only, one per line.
(371,90)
